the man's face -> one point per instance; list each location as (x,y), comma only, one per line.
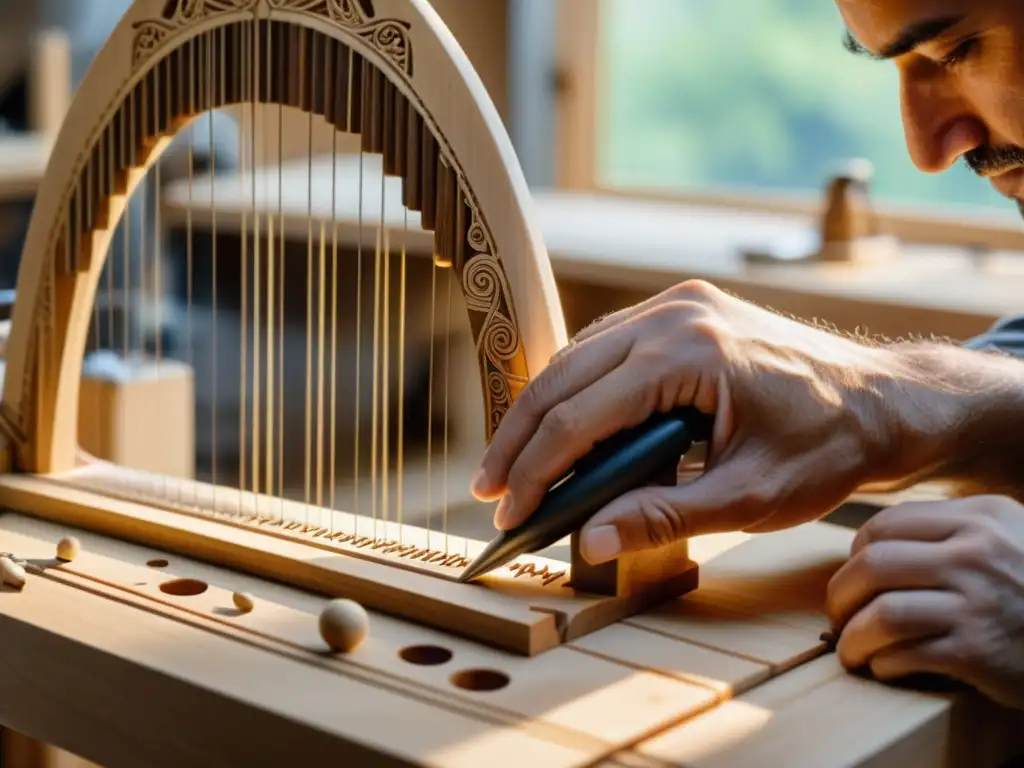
(961,66)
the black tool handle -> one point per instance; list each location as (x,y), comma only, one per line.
(630,459)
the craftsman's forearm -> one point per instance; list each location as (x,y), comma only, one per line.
(961,417)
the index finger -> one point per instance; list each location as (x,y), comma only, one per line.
(932,521)
(566,376)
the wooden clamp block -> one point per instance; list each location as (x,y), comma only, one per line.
(657,574)
(138,413)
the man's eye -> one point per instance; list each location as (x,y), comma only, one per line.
(960,53)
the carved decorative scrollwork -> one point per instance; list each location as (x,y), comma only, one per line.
(492,317)
(347,12)
(388,37)
(482,276)
(391,39)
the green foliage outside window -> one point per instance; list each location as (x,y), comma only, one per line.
(755,94)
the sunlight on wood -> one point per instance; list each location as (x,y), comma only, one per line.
(704,549)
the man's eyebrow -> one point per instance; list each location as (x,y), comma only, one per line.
(909,39)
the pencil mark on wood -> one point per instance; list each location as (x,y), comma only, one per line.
(544,573)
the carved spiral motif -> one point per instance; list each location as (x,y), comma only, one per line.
(147,39)
(477,237)
(189,9)
(500,339)
(480,282)
(346,11)
(499,397)
(389,39)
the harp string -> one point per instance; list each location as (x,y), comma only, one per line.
(256,117)
(333,436)
(190,164)
(243,319)
(232,59)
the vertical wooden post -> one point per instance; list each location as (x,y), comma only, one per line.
(661,573)
(49,82)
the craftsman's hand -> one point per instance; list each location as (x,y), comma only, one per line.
(802,417)
(937,588)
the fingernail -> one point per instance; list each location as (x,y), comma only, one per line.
(601,544)
(503,513)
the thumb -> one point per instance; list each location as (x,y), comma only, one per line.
(729,497)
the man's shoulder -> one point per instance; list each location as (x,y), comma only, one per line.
(1005,336)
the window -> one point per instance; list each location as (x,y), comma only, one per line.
(749,96)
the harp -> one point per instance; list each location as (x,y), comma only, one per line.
(329,389)
(297,400)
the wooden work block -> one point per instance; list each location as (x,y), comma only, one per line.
(667,570)
(139,413)
(661,574)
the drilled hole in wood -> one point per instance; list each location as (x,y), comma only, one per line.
(184,587)
(157,563)
(480,679)
(426,655)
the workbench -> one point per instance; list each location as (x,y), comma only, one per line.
(133,656)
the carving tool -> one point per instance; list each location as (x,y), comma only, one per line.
(633,458)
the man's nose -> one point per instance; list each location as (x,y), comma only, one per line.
(940,125)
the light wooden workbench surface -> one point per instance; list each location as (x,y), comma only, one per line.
(644,246)
(97,659)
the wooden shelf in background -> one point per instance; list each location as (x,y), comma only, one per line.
(634,246)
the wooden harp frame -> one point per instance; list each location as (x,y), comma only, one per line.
(396,77)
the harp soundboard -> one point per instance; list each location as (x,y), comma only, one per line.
(323,384)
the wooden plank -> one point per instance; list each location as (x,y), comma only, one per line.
(761,597)
(781,576)
(725,674)
(854,722)
(525,607)
(149,691)
(561,688)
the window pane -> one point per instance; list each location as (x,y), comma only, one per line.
(752,94)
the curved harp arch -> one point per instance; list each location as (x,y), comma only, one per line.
(107,144)
(391,73)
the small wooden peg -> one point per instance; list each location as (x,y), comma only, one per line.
(11,573)
(243,601)
(344,624)
(68,549)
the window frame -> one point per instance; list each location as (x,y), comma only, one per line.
(580,71)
